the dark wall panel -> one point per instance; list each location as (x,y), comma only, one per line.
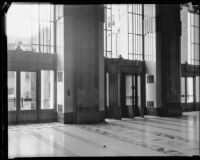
(30,61)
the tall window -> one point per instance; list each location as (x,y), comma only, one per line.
(190,89)
(30,27)
(135,31)
(108,31)
(123,34)
(193,38)
(150,32)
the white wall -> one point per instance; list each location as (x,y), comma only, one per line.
(151,87)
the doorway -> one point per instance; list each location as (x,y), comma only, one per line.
(31,96)
(130,97)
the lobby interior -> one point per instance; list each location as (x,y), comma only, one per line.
(101,80)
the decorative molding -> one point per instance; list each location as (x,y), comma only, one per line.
(124,65)
(30,61)
(190,70)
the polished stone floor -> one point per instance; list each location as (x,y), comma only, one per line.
(149,136)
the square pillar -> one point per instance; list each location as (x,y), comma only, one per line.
(83,64)
(169,31)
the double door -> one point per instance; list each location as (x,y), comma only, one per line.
(132,96)
(31,96)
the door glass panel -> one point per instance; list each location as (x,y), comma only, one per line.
(182,89)
(139,90)
(28,91)
(107,89)
(190,89)
(197,88)
(11,91)
(128,90)
(47,89)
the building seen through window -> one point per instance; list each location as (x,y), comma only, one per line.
(30,27)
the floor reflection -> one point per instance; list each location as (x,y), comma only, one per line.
(151,136)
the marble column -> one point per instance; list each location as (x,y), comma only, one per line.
(83,64)
(114,93)
(169,30)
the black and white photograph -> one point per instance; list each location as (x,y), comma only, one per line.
(100,80)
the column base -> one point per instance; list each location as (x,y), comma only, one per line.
(66,118)
(90,117)
(190,107)
(154,111)
(84,115)
(171,110)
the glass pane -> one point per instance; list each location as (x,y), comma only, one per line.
(47,89)
(197,89)
(196,34)
(139,24)
(108,6)
(139,45)
(196,54)
(134,23)
(28,91)
(41,48)
(130,22)
(128,90)
(134,8)
(130,7)
(192,34)
(196,19)
(114,45)
(41,33)
(182,90)
(11,91)
(45,30)
(105,42)
(139,9)
(107,89)
(52,12)
(130,43)
(109,19)
(20,34)
(52,35)
(44,49)
(52,49)
(190,89)
(32,20)
(109,41)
